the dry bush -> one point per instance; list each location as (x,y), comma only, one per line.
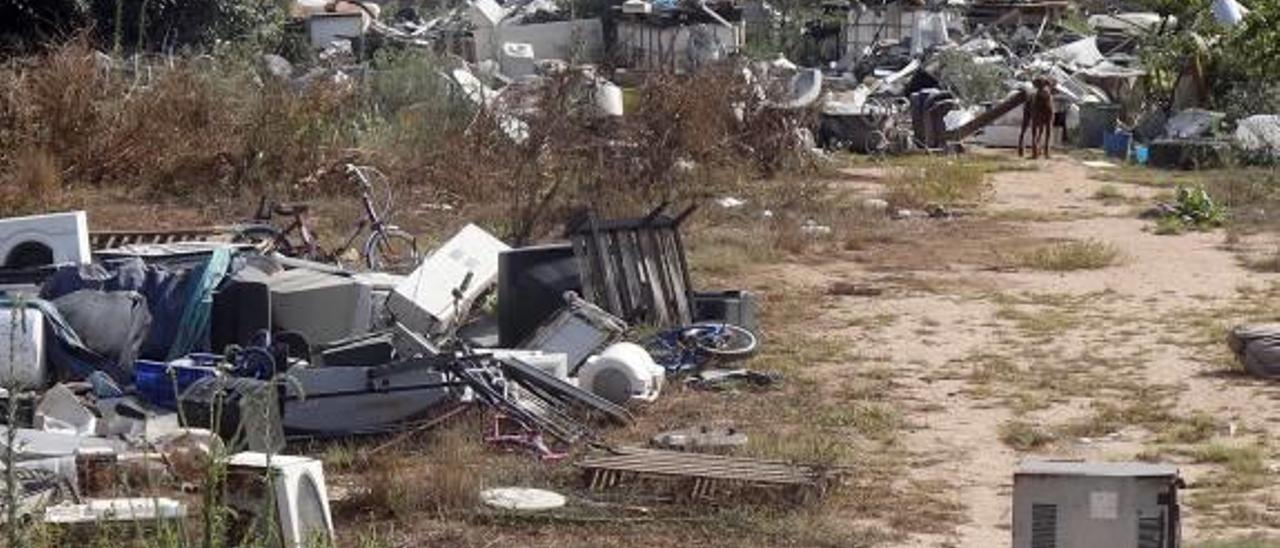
(937,181)
(211,127)
(36,183)
(445,480)
(681,144)
(192,126)
(1075,255)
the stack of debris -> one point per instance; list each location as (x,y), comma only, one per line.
(147,357)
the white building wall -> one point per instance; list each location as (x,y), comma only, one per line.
(557,40)
(650,47)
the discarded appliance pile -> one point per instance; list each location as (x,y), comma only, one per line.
(137,360)
(911,76)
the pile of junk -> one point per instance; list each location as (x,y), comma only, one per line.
(935,75)
(127,364)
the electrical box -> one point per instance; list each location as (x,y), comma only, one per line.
(1075,504)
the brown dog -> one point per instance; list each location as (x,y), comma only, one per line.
(1038,114)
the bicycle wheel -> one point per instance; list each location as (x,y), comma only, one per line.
(723,340)
(391,250)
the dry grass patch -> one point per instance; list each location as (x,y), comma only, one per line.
(1024,436)
(941,181)
(1252,541)
(1109,194)
(1072,256)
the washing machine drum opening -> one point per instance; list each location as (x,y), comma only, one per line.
(311,524)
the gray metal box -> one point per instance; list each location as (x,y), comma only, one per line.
(1074,504)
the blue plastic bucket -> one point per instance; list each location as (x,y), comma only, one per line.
(151,378)
(1141,154)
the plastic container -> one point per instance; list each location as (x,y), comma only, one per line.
(152,378)
(1141,154)
(1116,143)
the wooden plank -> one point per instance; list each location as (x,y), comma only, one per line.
(725,475)
(673,279)
(709,466)
(587,271)
(722,476)
(653,274)
(636,304)
(693,470)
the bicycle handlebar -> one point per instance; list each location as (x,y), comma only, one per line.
(360,177)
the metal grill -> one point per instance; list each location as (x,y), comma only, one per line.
(1151,532)
(1044,526)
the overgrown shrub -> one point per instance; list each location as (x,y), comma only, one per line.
(214,126)
(937,182)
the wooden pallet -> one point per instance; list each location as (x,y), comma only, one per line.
(635,268)
(110,239)
(705,475)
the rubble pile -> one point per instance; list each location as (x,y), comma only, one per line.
(134,362)
(134,369)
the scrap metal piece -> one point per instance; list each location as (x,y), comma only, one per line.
(578,330)
(548,387)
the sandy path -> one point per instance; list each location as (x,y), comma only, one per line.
(1127,317)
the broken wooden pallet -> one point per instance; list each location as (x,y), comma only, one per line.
(705,475)
(110,239)
(635,268)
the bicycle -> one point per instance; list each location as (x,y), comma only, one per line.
(694,346)
(387,248)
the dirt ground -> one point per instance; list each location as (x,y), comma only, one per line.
(973,346)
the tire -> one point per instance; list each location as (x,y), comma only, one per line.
(391,250)
(723,340)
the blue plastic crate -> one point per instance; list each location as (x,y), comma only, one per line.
(1116,144)
(152,378)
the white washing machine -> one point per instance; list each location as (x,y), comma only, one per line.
(40,240)
(301,498)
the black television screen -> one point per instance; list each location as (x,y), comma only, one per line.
(531,286)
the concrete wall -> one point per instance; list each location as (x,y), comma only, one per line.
(558,40)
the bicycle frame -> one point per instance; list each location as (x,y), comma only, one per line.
(371,219)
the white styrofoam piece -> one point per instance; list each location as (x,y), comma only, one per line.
(424,300)
(119,510)
(37,444)
(22,360)
(60,411)
(379,281)
(522,498)
(65,234)
(551,363)
(301,497)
